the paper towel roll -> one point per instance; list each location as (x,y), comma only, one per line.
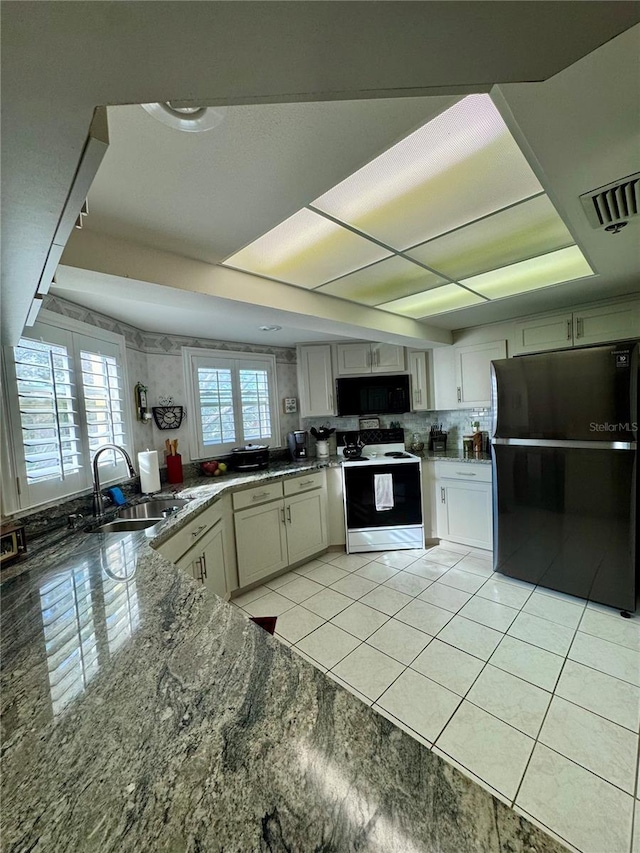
(149,471)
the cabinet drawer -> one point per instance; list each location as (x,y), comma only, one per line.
(463,471)
(295,485)
(258,495)
(191,533)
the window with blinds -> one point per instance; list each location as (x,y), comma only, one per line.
(256,408)
(103,403)
(66,396)
(234,396)
(48,411)
(217,420)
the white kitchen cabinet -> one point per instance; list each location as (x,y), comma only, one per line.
(207,560)
(586,326)
(280,532)
(462,497)
(606,323)
(356,359)
(261,541)
(387,358)
(464,512)
(473,374)
(353,359)
(315,381)
(306,522)
(419,370)
(444,379)
(543,333)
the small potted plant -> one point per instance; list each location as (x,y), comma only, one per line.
(322,436)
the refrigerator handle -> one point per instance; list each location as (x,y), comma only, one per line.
(635,382)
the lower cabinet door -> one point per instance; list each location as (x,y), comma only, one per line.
(307,531)
(465,512)
(214,562)
(261,541)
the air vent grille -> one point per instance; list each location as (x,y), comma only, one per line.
(616,202)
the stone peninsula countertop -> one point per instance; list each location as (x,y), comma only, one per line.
(138,714)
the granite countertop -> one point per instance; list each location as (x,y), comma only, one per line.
(139,714)
(458,456)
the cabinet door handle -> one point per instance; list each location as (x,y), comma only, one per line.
(199,530)
(306,483)
(376,357)
(289,513)
(579,327)
(459,394)
(568,330)
(201,574)
(261,495)
(368,359)
(442,494)
(467,473)
(282,513)
(420,395)
(204,566)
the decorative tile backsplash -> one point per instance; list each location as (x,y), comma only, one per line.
(457,422)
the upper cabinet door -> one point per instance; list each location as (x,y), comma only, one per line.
(353,359)
(607,323)
(387,358)
(315,381)
(543,333)
(473,375)
(444,379)
(420,397)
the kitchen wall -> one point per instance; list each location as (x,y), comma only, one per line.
(155,360)
(456,422)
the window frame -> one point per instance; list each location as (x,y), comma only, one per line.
(192,358)
(75,335)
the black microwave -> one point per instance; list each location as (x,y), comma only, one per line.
(373,395)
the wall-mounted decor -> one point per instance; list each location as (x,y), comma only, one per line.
(142,410)
(168,417)
(290,405)
(369,423)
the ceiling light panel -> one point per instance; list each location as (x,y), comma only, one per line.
(436,301)
(307,250)
(530,228)
(554,268)
(382,282)
(460,166)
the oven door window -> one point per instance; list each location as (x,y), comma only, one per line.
(360,496)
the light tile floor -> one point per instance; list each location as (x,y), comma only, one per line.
(532,693)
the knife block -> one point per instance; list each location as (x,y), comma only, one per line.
(174,468)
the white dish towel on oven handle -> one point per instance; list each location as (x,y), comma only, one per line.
(383,491)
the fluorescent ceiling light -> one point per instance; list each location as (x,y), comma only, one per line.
(554,268)
(530,228)
(307,250)
(382,282)
(460,166)
(436,301)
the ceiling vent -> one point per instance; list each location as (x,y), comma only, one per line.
(611,206)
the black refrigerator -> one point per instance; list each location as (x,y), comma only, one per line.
(565,478)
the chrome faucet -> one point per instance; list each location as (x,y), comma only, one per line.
(98,501)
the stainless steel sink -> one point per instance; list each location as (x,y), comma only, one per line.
(124,525)
(157,508)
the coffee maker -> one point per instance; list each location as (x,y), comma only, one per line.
(298,444)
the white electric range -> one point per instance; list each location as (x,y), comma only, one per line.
(382,491)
